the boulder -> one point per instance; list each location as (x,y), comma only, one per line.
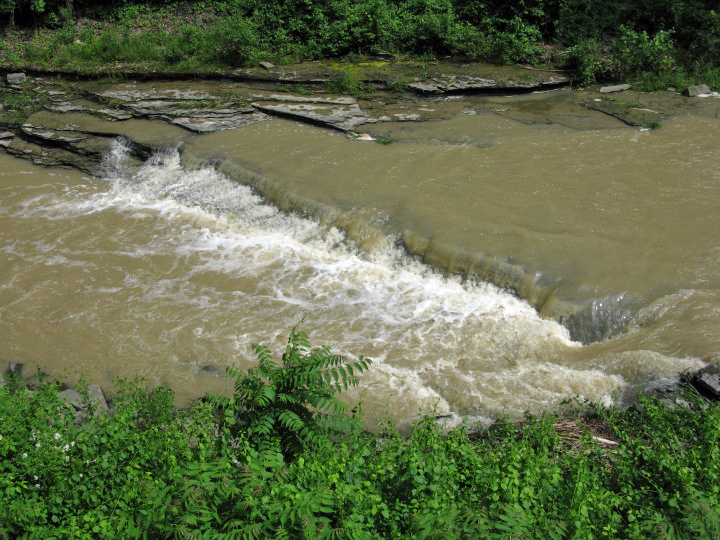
(707,382)
(15,368)
(16,78)
(616,88)
(72,397)
(267,65)
(97,399)
(695,91)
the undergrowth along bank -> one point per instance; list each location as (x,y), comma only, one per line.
(652,44)
(283,457)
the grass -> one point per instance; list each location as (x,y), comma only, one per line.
(266,463)
(19,104)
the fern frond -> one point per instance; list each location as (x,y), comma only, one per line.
(291,420)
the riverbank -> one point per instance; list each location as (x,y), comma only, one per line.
(256,467)
(669,45)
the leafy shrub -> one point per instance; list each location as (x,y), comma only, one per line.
(233,41)
(293,404)
(637,52)
(587,61)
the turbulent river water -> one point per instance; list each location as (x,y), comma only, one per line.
(173,269)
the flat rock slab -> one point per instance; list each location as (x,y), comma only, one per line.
(192,108)
(449,84)
(212,125)
(340,117)
(130,93)
(147,133)
(433,78)
(85,156)
(81,140)
(616,88)
(290,98)
(632,116)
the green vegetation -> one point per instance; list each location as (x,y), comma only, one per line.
(18,104)
(281,458)
(657,44)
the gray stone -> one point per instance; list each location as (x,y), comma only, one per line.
(72,397)
(707,382)
(695,91)
(425,88)
(289,98)
(7,135)
(267,65)
(343,118)
(97,399)
(15,368)
(407,117)
(16,78)
(616,88)
(114,114)
(64,106)
(211,125)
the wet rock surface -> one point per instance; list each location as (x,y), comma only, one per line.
(629,113)
(386,92)
(674,392)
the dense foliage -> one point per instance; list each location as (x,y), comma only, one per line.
(665,41)
(276,460)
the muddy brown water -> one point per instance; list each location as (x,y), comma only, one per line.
(171,271)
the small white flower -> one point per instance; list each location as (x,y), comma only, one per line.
(66,448)
(37,445)
(35,478)
(37,486)
(0,437)
(67,458)
(72,443)
(24,456)
(81,475)
(57,436)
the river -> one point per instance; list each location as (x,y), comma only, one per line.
(173,270)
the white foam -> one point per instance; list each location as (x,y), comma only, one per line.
(241,272)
